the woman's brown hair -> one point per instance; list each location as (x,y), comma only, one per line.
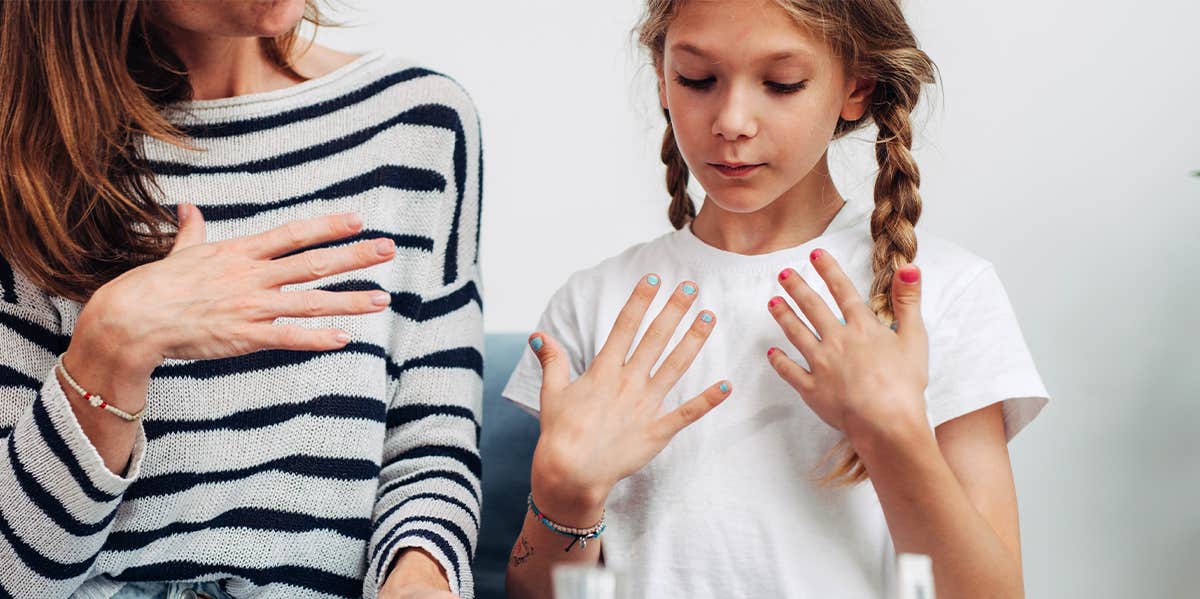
(85,83)
(875,42)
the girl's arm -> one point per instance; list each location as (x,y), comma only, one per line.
(949,497)
(602,427)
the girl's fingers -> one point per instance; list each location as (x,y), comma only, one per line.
(655,340)
(293,337)
(797,332)
(297,235)
(681,358)
(840,286)
(906,303)
(809,302)
(694,409)
(800,379)
(306,304)
(321,263)
(556,374)
(616,347)
(191,228)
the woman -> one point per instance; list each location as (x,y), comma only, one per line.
(275,393)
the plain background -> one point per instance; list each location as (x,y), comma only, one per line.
(1060,146)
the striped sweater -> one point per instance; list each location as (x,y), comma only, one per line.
(285,474)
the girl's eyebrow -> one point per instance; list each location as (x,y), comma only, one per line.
(781,55)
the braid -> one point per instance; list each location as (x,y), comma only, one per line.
(682,210)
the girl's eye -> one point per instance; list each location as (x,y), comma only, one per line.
(786,88)
(705,83)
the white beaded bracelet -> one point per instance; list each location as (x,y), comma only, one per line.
(95,400)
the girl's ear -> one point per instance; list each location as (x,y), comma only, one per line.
(858,100)
(662,87)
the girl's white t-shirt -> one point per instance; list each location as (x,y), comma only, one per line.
(731,507)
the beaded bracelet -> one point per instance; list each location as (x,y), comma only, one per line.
(95,400)
(578,535)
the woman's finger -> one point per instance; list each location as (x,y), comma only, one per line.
(797,332)
(681,358)
(321,263)
(298,235)
(659,333)
(629,320)
(307,304)
(293,337)
(841,287)
(191,228)
(809,301)
(906,304)
(556,373)
(692,410)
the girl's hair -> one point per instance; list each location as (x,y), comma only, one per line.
(85,82)
(874,41)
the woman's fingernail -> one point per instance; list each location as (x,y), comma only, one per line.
(706,317)
(384,247)
(381,299)
(785,273)
(652,280)
(353,220)
(536,343)
(910,275)
(342,337)
(770,352)
(724,387)
(182,212)
(774,300)
(689,289)
(816,254)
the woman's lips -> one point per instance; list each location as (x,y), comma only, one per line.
(735,170)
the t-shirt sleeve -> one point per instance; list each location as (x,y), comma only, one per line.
(979,357)
(561,322)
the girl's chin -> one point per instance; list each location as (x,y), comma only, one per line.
(740,201)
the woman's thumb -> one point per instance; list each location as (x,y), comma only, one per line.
(191,228)
(555,373)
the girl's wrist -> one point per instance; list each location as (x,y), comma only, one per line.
(884,432)
(573,505)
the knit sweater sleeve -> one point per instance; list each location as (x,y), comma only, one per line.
(430,491)
(57,498)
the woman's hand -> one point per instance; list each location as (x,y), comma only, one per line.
(863,377)
(217,300)
(608,423)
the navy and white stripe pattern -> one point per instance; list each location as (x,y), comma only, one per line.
(282,473)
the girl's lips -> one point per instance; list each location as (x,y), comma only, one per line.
(735,170)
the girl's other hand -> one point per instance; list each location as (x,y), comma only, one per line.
(863,377)
(608,423)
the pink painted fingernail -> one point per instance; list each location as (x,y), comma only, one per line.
(910,275)
(785,273)
(770,352)
(816,254)
(774,300)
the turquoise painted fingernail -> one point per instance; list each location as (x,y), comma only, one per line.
(724,388)
(895,325)
(706,317)
(689,289)
(842,320)
(536,343)
(653,280)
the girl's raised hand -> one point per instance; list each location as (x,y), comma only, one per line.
(608,423)
(862,375)
(217,300)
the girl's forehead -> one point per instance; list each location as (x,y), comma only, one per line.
(749,30)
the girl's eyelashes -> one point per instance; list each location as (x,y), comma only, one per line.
(695,83)
(786,88)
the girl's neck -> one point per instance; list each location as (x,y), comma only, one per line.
(222,67)
(801,214)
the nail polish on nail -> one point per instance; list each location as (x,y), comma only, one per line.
(653,280)
(724,388)
(342,337)
(381,299)
(842,320)
(785,273)
(706,317)
(815,254)
(770,352)
(895,325)
(910,275)
(536,343)
(774,300)
(384,247)
(689,289)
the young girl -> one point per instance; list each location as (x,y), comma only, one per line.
(900,393)
(150,447)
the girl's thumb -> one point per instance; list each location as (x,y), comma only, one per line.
(555,373)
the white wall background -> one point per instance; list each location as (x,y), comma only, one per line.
(1061,149)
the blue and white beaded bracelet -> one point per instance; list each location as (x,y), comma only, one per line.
(578,535)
